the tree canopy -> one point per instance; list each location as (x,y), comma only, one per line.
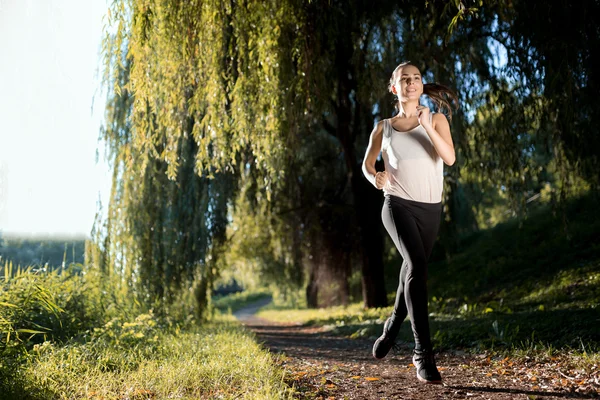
(236,130)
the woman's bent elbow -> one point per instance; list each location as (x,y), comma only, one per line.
(450,162)
(365,171)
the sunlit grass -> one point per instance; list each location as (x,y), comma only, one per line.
(63,336)
(575,288)
(335,316)
(220,360)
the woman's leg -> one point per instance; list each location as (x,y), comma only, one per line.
(400,311)
(417,225)
(412,288)
(391,327)
(413,228)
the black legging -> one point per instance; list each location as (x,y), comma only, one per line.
(413,226)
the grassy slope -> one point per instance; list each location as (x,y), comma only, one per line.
(513,286)
(519,285)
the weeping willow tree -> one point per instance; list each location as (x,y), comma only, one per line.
(199,92)
(206,96)
(258,112)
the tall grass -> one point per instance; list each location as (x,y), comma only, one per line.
(36,305)
(74,333)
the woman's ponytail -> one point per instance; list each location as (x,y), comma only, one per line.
(441,95)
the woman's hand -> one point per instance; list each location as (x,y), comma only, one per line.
(380,179)
(423,115)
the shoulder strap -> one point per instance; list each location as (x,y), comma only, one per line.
(385,140)
(387,127)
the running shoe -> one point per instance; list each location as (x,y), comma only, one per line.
(385,342)
(426,370)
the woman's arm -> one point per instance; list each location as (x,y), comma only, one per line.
(377,179)
(439,133)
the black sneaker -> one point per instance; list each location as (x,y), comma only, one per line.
(385,342)
(426,370)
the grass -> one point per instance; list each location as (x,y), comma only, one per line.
(65,335)
(534,266)
(219,360)
(335,318)
(526,287)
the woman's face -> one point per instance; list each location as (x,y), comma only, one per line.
(408,84)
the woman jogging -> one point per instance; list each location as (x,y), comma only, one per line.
(415,144)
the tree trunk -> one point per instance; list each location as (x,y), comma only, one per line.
(368,203)
(367,199)
(328,266)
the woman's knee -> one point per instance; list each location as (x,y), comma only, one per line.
(416,271)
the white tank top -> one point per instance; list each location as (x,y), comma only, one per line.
(415,170)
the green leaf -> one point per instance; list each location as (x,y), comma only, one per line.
(31,331)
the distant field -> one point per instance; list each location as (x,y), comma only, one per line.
(32,251)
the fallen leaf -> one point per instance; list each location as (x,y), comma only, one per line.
(370,378)
(355,377)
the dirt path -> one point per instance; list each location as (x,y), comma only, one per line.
(330,367)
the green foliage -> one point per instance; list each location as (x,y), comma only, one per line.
(63,305)
(217,72)
(263,246)
(141,331)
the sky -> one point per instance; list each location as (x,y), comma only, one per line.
(51,109)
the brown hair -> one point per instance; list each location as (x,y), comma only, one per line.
(440,94)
